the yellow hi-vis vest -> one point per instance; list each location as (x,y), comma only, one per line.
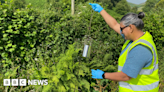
(148,78)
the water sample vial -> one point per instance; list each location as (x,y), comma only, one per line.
(85,51)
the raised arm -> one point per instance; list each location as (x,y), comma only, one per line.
(108,18)
(110,21)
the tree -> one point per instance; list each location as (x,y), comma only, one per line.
(2,1)
(114,2)
(160,4)
(122,7)
(149,5)
(109,3)
(134,9)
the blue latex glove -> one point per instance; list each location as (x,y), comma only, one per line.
(97,74)
(96,7)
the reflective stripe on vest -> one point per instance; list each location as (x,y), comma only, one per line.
(145,71)
(139,87)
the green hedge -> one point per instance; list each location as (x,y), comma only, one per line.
(37,44)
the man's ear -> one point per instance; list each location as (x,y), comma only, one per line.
(131,28)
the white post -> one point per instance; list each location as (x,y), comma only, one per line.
(72,6)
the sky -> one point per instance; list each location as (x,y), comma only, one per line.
(136,1)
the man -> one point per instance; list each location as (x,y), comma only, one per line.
(138,61)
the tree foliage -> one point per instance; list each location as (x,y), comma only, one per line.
(160,4)
(36,44)
(122,7)
(40,43)
(134,9)
(59,5)
(2,1)
(149,5)
(114,2)
(18,4)
(109,3)
(153,22)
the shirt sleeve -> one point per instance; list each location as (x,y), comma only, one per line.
(139,57)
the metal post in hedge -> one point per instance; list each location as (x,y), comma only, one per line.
(72,6)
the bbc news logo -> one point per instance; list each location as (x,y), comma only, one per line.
(23,82)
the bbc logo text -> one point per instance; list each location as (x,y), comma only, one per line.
(23,82)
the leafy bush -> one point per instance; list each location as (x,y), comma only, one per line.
(161,68)
(48,43)
(154,24)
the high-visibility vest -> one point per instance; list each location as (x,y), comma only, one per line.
(148,78)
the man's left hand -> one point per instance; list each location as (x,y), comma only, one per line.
(97,74)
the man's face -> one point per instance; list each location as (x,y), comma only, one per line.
(125,30)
